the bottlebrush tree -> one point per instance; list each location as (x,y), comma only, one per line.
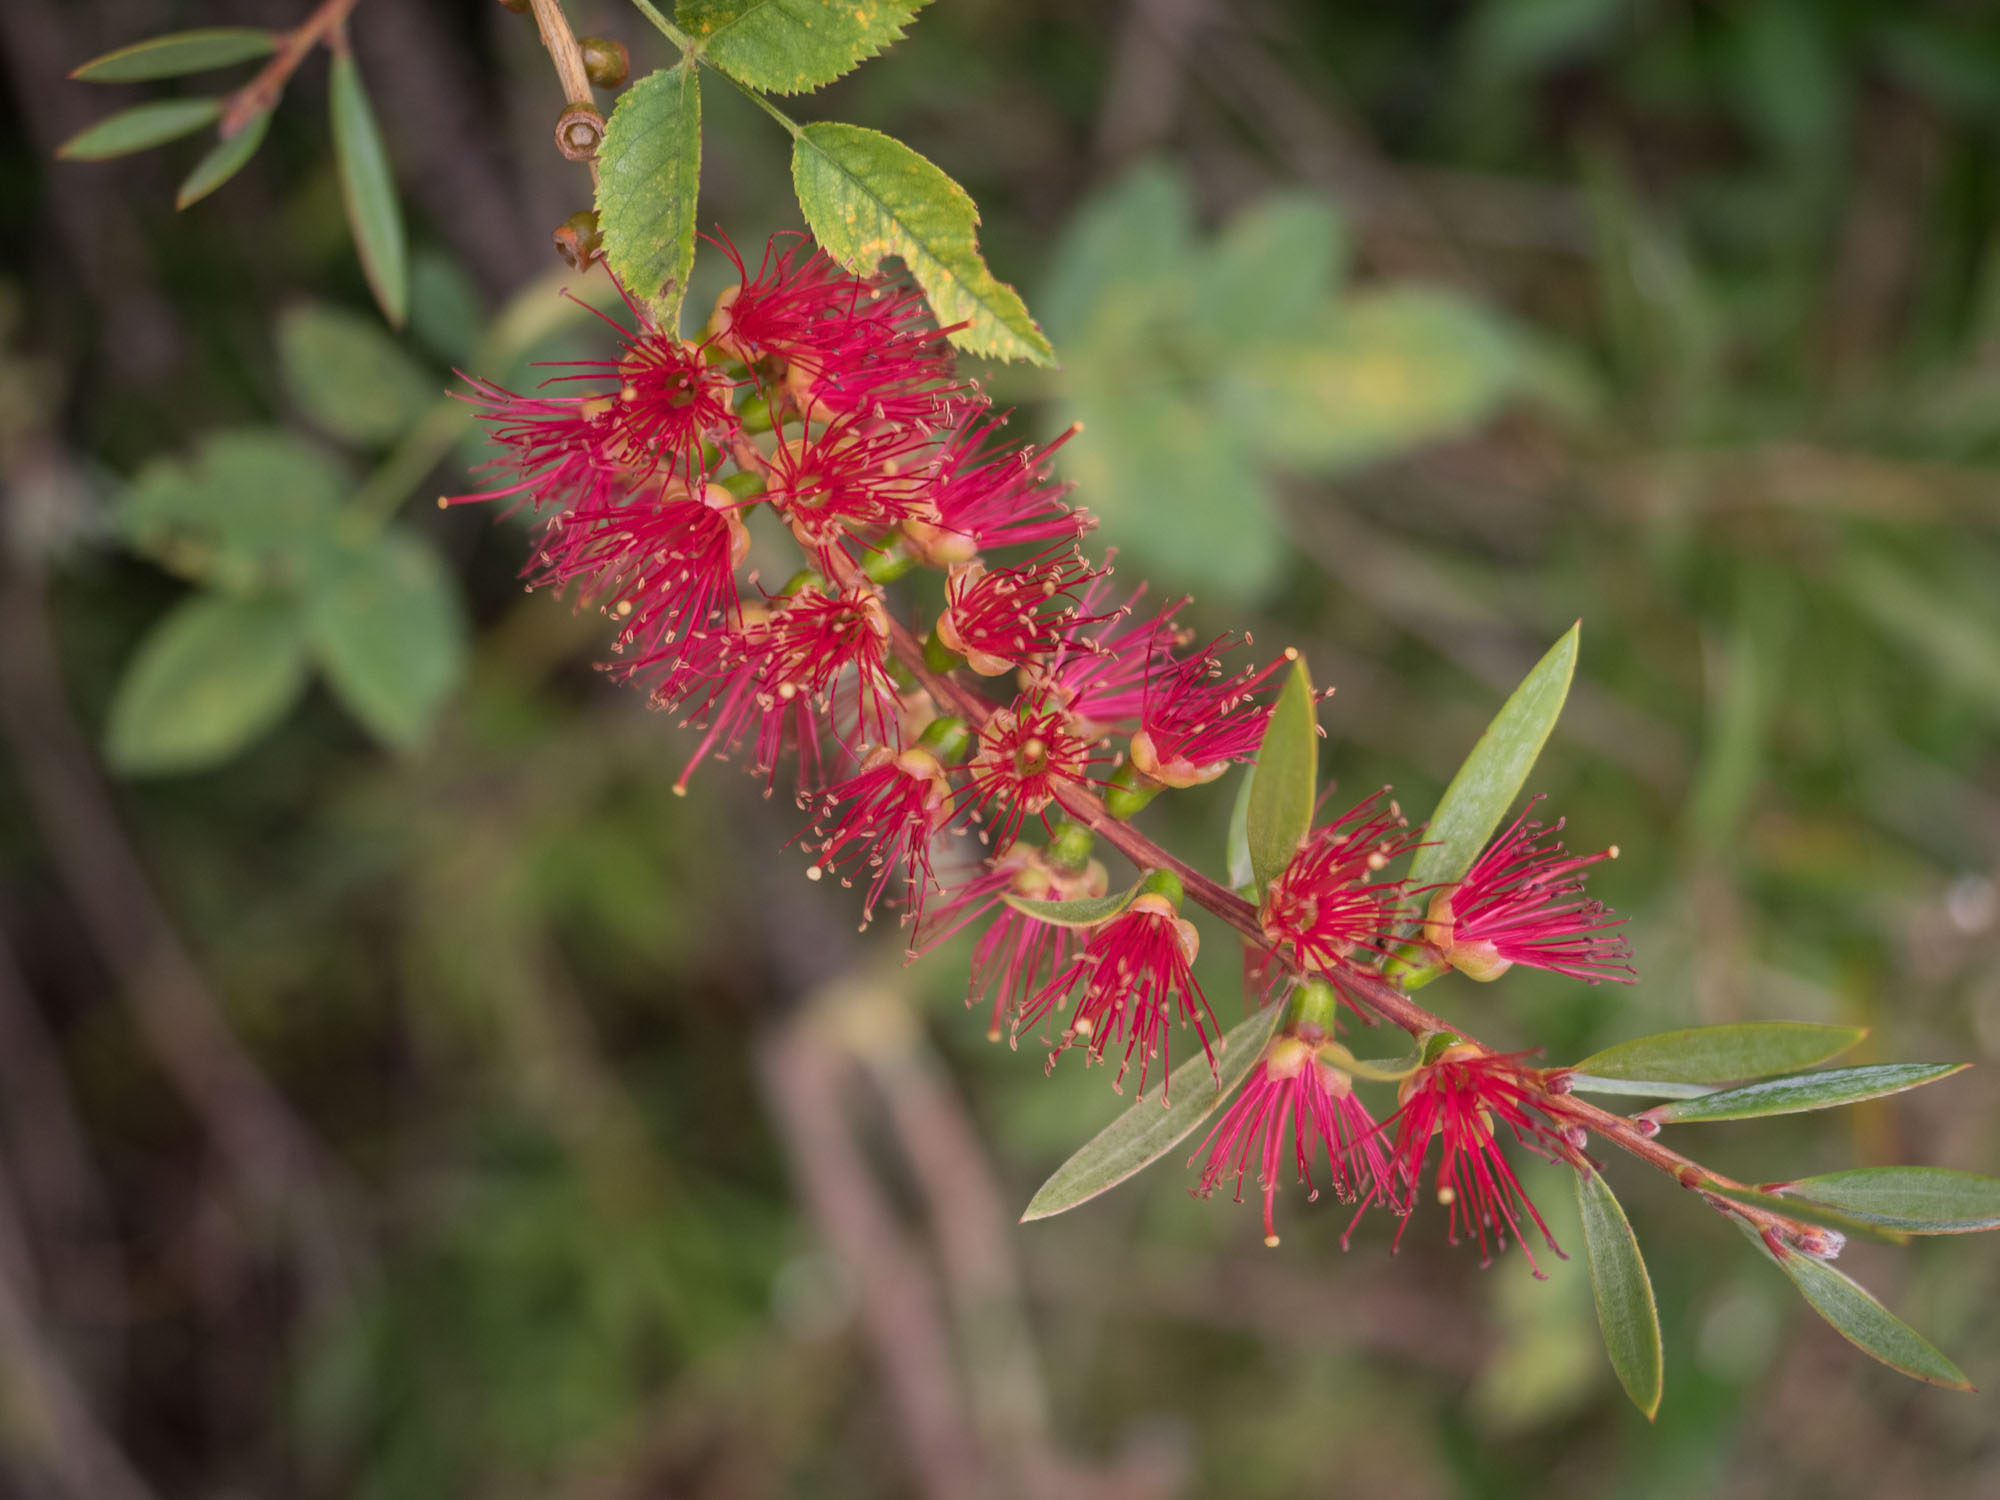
(962,769)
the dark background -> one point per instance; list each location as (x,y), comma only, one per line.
(487,1121)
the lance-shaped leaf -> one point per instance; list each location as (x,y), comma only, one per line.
(224,160)
(1287,780)
(867,197)
(1803,1091)
(1808,1212)
(369,190)
(793,46)
(649,176)
(1626,1312)
(1085,911)
(1242,877)
(140,128)
(1717,1054)
(1146,1132)
(386,625)
(1864,1322)
(178,53)
(1910,1200)
(1492,776)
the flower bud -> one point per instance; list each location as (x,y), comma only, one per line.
(1129,792)
(606,62)
(519,7)
(579,239)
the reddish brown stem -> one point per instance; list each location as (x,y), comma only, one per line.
(261,94)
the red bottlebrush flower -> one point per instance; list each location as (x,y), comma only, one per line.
(1457,1099)
(1137,976)
(986,496)
(1326,903)
(616,425)
(888,812)
(1018,954)
(1100,676)
(1002,618)
(1293,1092)
(815,657)
(1522,903)
(1194,721)
(847,479)
(846,344)
(1024,754)
(664,563)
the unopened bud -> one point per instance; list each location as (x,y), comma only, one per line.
(754,413)
(1129,792)
(579,240)
(519,7)
(745,484)
(606,62)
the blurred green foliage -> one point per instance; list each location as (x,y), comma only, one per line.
(1681,320)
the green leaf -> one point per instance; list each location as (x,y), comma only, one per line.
(252,508)
(1282,796)
(1721,1054)
(793,46)
(1242,877)
(1803,1091)
(368,188)
(1911,1200)
(387,628)
(867,197)
(648,179)
(1626,1312)
(178,53)
(349,376)
(224,160)
(139,128)
(1146,1132)
(211,677)
(1271,271)
(1086,911)
(1492,776)
(1864,1322)
(1128,248)
(1374,376)
(1807,1211)
(1637,1088)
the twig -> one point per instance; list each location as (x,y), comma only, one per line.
(261,94)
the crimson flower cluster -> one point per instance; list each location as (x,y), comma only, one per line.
(824,410)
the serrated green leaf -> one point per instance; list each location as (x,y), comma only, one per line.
(140,128)
(387,628)
(793,46)
(252,508)
(1242,878)
(867,197)
(210,677)
(1864,1322)
(1287,783)
(1722,1054)
(368,188)
(1271,271)
(1376,375)
(1085,911)
(1128,246)
(224,160)
(351,378)
(1493,774)
(1146,1132)
(1911,1200)
(648,181)
(178,53)
(1626,1312)
(1804,1091)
